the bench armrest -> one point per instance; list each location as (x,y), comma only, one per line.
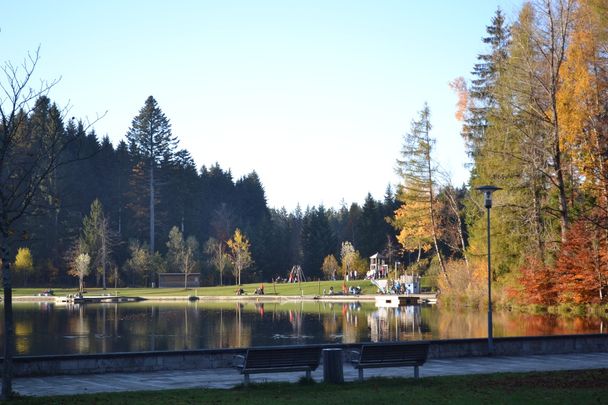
(355,355)
(238,360)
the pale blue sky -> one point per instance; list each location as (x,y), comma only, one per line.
(314,95)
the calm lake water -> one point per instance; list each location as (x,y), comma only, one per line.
(48,328)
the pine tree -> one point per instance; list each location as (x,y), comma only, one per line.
(318,241)
(151,141)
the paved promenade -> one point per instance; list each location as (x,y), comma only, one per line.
(227,378)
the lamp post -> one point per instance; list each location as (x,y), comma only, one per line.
(487,193)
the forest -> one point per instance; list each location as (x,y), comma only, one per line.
(98,204)
(535,122)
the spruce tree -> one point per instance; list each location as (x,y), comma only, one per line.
(486,73)
(151,141)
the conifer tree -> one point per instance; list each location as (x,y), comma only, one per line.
(151,141)
(482,95)
(416,219)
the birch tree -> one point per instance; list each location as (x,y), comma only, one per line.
(240,256)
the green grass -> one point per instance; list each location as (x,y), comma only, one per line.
(282,289)
(564,387)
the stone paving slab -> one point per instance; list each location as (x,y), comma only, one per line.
(228,378)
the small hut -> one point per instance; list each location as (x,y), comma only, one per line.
(176,280)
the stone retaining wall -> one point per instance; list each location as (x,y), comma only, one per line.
(221,358)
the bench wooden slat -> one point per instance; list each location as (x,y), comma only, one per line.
(391,355)
(279,359)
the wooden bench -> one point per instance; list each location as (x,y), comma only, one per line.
(278,360)
(374,355)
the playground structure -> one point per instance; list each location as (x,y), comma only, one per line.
(296,274)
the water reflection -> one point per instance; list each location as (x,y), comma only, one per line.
(47,328)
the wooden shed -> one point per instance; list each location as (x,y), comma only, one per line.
(176,280)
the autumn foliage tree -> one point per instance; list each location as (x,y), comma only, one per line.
(24,264)
(416,218)
(330,267)
(581,270)
(240,255)
(580,274)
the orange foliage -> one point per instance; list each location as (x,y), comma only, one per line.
(581,266)
(460,88)
(579,275)
(581,98)
(537,282)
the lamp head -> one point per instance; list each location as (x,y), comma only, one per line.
(487,193)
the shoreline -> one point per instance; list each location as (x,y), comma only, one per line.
(248,298)
(420,298)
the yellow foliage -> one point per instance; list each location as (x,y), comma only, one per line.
(414,223)
(581,97)
(468,284)
(23,260)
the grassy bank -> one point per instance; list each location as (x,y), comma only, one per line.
(576,387)
(281,289)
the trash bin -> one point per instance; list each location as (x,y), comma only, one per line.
(332,366)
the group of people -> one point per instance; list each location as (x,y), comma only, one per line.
(258,291)
(352,290)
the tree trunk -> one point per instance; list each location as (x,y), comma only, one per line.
(104,251)
(9,327)
(432,207)
(454,207)
(151,206)
(561,185)
(539,224)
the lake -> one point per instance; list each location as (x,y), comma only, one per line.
(50,328)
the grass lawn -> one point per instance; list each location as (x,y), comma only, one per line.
(564,387)
(283,289)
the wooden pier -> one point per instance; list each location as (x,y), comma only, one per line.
(91,299)
(405,299)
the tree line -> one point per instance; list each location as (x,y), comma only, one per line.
(535,121)
(130,208)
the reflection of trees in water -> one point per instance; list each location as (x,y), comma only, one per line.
(399,323)
(78,329)
(460,323)
(548,324)
(23,330)
(222,327)
(330,321)
(176,326)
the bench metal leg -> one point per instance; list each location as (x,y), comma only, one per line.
(246,379)
(416,374)
(361,374)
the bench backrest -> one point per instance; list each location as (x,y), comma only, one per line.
(283,357)
(415,353)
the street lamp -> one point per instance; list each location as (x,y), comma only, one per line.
(487,193)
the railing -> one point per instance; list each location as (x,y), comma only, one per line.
(222,358)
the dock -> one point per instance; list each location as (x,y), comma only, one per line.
(91,299)
(405,299)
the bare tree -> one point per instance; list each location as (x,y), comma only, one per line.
(218,256)
(24,164)
(27,159)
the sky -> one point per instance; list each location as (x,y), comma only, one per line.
(314,95)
